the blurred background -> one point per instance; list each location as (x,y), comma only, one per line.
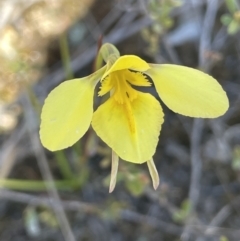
(64,195)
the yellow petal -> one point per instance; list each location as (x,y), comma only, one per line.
(106,85)
(189,91)
(136,78)
(67,112)
(131,131)
(128,62)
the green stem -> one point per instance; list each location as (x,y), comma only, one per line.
(64,165)
(66,60)
(34,100)
(64,49)
(98,61)
(30,185)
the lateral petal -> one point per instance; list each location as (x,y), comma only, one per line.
(67,112)
(131,131)
(189,91)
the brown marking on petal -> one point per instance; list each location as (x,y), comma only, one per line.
(130,116)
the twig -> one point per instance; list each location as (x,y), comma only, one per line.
(128,215)
(45,201)
(46,173)
(205,39)
(170,51)
(173,229)
(151,221)
(196,162)
(222,215)
(7,152)
(196,166)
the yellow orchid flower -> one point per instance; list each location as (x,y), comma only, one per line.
(129,121)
